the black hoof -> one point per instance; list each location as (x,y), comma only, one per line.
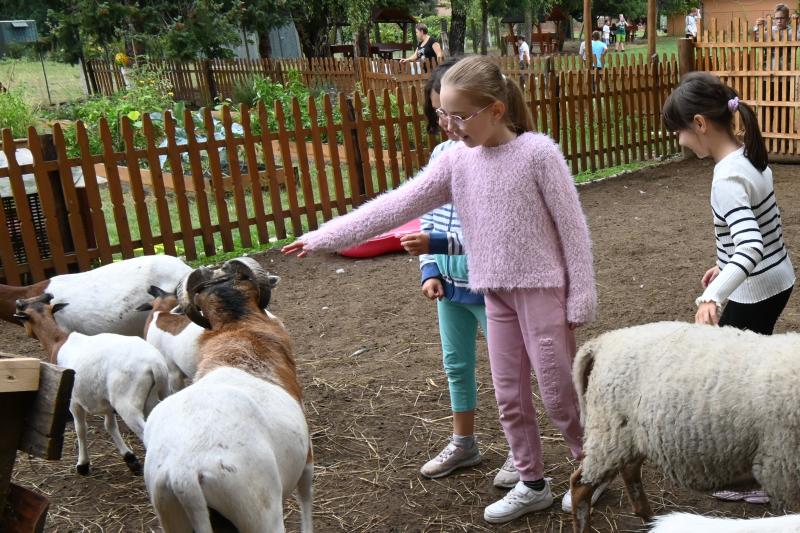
(82,469)
(133,463)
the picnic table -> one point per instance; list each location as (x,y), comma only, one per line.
(34,402)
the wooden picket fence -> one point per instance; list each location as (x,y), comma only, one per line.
(763,67)
(258,185)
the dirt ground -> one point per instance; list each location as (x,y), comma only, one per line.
(377,415)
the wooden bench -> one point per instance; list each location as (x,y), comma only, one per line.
(34,402)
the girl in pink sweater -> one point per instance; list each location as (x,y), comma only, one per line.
(528,252)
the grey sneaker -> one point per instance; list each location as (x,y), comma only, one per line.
(507,476)
(449,459)
(519,501)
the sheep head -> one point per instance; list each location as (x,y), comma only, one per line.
(36,310)
(243,275)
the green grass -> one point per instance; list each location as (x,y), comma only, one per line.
(603,173)
(65,81)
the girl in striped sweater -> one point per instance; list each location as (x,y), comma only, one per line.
(529,254)
(443,266)
(753,276)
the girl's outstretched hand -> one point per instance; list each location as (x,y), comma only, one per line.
(289,249)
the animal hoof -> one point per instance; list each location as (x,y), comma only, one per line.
(133,463)
(82,469)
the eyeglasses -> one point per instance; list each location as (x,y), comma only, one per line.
(458,120)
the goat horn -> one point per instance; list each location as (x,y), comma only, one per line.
(251,269)
(186,291)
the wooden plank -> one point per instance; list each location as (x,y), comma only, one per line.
(362,146)
(47,201)
(305,173)
(137,188)
(291,181)
(269,162)
(377,141)
(77,228)
(333,150)
(176,169)
(159,191)
(98,220)
(353,167)
(212,149)
(611,156)
(415,106)
(118,203)
(24,216)
(254,173)
(403,120)
(646,78)
(200,196)
(19,374)
(391,140)
(234,168)
(48,412)
(623,82)
(319,160)
(29,511)
(582,85)
(570,119)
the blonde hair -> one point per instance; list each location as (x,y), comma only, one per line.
(483,83)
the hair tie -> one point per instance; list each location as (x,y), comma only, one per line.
(733,104)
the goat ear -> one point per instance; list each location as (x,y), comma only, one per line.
(47,298)
(145,307)
(177,310)
(58,307)
(273,281)
(156,292)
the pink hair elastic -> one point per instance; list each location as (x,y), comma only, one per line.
(733,104)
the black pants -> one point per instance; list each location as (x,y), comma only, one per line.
(759,317)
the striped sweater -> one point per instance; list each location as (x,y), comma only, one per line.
(446,259)
(753,260)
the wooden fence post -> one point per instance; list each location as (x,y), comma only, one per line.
(351,112)
(212,85)
(686,56)
(49,153)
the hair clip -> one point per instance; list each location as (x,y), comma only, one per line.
(733,104)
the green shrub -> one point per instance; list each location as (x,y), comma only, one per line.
(16,113)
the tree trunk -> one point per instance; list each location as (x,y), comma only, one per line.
(484,27)
(444,39)
(498,35)
(473,30)
(313,29)
(528,23)
(264,45)
(458,27)
(361,41)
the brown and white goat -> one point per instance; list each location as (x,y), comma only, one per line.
(112,373)
(236,441)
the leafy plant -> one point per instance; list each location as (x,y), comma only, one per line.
(16,113)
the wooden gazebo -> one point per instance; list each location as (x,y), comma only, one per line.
(391,15)
(547,41)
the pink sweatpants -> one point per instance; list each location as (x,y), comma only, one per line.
(527,328)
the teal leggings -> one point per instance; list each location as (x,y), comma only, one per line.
(458,327)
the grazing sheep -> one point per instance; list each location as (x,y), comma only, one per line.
(690,523)
(175,336)
(236,441)
(112,373)
(712,407)
(103,300)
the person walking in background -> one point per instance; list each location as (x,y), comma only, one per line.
(524,59)
(607,31)
(691,24)
(598,50)
(621,31)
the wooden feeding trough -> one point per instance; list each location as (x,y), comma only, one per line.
(34,402)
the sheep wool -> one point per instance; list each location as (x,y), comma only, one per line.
(707,405)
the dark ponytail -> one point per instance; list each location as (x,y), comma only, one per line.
(434,83)
(700,93)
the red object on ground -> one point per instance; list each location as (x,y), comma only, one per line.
(384,243)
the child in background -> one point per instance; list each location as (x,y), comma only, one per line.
(607,31)
(445,280)
(753,274)
(529,253)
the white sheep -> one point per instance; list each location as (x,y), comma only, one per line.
(690,523)
(113,373)
(103,300)
(236,441)
(175,336)
(711,407)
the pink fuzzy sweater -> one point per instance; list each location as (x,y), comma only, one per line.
(522,222)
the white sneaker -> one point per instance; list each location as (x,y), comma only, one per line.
(507,476)
(519,501)
(566,500)
(451,458)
